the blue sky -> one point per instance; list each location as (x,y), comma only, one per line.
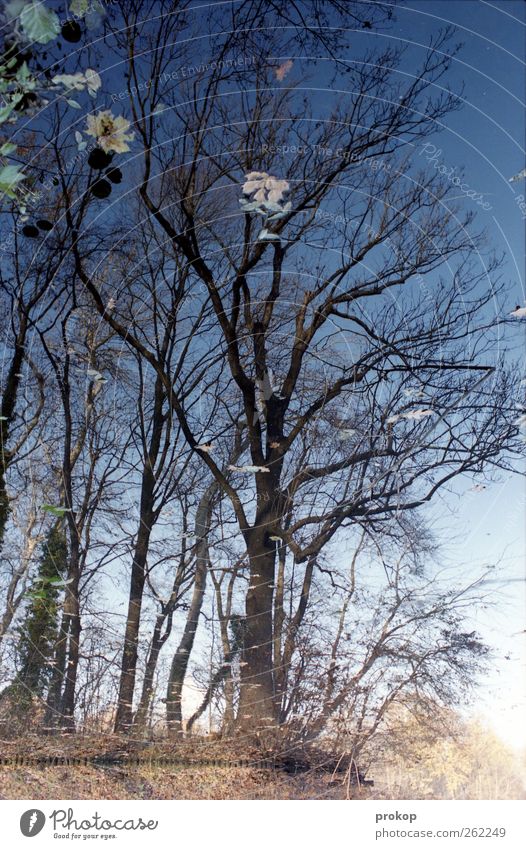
(487,138)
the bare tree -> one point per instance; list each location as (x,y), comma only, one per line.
(24,290)
(356,261)
(308,357)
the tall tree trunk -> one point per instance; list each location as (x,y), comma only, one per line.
(60,703)
(224,618)
(230,650)
(15,588)
(7,415)
(289,647)
(144,710)
(158,639)
(70,678)
(181,657)
(72,602)
(229,714)
(257,697)
(124,715)
(54,697)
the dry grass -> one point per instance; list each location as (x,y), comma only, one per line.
(164,783)
(150,781)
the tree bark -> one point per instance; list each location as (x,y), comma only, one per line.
(181,657)
(124,715)
(158,639)
(7,413)
(290,639)
(67,708)
(60,703)
(14,595)
(224,619)
(257,698)
(52,717)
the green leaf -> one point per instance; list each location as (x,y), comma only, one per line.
(95,14)
(55,511)
(73,104)
(24,78)
(7,148)
(12,10)
(39,23)
(81,144)
(10,176)
(79,7)
(6,110)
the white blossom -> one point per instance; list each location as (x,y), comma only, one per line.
(110,131)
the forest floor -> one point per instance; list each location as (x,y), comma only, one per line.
(165,783)
(111,768)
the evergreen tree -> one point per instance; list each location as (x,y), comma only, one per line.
(37,634)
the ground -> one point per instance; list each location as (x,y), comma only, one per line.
(204,772)
(167,783)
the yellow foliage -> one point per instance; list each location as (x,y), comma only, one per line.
(444,758)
